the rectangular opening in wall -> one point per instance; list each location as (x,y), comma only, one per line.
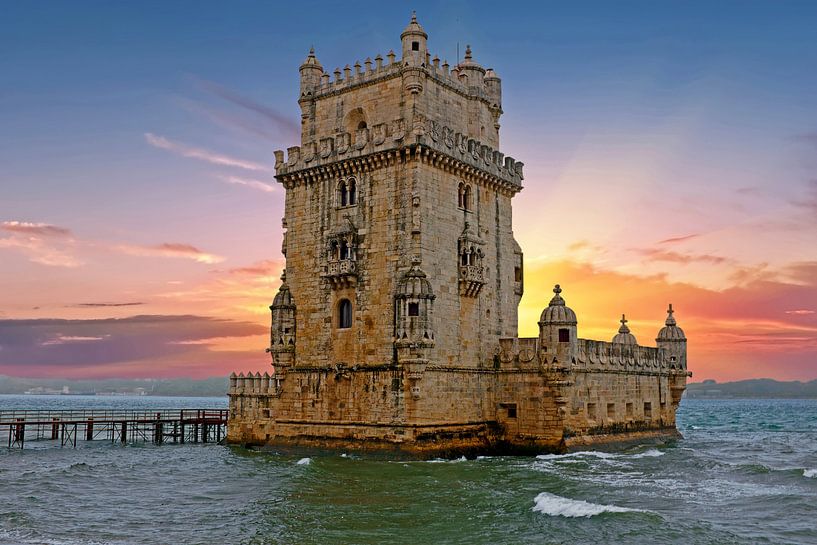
(647,409)
(517,274)
(564,335)
(611,410)
(591,411)
(510,409)
(629,409)
(414,309)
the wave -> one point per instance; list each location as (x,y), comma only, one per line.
(651,453)
(304,461)
(810,473)
(557,506)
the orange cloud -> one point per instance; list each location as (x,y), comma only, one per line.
(747,331)
(171,249)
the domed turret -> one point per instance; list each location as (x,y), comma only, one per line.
(311,72)
(414,40)
(282,327)
(557,313)
(414,306)
(671,332)
(672,339)
(474,73)
(557,329)
(624,336)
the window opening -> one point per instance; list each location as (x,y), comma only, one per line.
(344,314)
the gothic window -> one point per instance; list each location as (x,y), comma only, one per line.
(334,251)
(460,191)
(564,335)
(344,249)
(343,194)
(353,190)
(466,197)
(344,314)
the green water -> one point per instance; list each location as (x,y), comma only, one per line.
(745,472)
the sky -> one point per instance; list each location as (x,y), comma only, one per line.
(670,154)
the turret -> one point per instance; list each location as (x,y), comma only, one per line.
(624,336)
(311,72)
(672,339)
(493,88)
(415,47)
(282,328)
(557,330)
(470,71)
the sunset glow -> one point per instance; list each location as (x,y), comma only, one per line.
(670,157)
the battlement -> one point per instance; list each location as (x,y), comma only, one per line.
(254,385)
(482,84)
(396,135)
(589,355)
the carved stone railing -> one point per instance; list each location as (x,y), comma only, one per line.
(341,273)
(472,278)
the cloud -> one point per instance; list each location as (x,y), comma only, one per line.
(249,182)
(37,229)
(285,124)
(655,254)
(204,155)
(103,305)
(41,252)
(800,312)
(268,267)
(138,346)
(808,137)
(675,240)
(171,249)
(809,199)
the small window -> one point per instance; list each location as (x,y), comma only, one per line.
(414,309)
(460,191)
(344,250)
(344,314)
(591,411)
(361,125)
(352,191)
(512,411)
(415,46)
(611,410)
(647,409)
(344,194)
(466,197)
(629,409)
(564,335)
(517,274)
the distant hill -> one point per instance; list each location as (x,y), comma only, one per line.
(760,387)
(209,387)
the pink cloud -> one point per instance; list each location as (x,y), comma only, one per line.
(249,182)
(171,249)
(36,229)
(204,155)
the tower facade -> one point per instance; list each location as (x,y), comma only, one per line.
(402,276)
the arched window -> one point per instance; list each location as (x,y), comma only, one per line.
(464,258)
(344,249)
(459,194)
(344,314)
(466,197)
(352,191)
(334,253)
(344,194)
(361,125)
(472,256)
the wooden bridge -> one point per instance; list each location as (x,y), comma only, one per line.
(117,426)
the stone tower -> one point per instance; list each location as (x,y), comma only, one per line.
(399,246)
(395,326)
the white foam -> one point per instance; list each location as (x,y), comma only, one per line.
(557,506)
(651,453)
(810,473)
(304,461)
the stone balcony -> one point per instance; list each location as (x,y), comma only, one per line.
(472,278)
(341,273)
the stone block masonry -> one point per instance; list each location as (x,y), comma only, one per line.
(395,327)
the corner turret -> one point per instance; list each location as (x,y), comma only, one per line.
(624,336)
(311,72)
(415,46)
(672,339)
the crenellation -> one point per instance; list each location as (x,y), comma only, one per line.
(395,327)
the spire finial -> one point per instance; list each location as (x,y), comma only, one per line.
(624,320)
(413,16)
(557,289)
(311,50)
(670,317)
(468,52)
(669,310)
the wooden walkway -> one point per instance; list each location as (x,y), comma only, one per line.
(117,426)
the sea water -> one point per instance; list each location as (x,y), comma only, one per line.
(744,473)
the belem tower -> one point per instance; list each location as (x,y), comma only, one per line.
(395,326)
